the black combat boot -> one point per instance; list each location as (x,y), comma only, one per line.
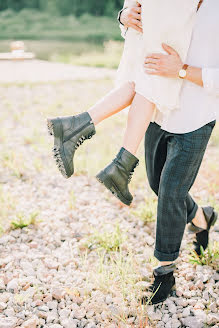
(163,285)
(202,235)
(69,133)
(117,175)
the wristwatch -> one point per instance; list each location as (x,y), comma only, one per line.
(183,72)
(119,15)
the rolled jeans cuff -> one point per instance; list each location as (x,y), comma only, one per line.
(192,214)
(165,257)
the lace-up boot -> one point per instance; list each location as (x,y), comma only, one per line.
(69,133)
(117,175)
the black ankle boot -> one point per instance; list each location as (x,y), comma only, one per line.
(202,235)
(117,175)
(163,285)
(69,133)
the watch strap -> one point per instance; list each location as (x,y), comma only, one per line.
(185,66)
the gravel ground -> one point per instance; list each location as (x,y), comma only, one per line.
(54,273)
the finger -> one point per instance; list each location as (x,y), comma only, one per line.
(135,22)
(137,9)
(154,66)
(150,72)
(155,56)
(169,49)
(151,60)
(136,28)
(136,16)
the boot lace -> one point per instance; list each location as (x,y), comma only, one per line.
(82,139)
(132,172)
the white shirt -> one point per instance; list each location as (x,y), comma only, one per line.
(198,105)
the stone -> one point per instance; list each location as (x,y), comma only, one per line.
(212,318)
(192,322)
(172,308)
(108,299)
(149,240)
(213,307)
(58,293)
(12,286)
(2,284)
(8,322)
(186,312)
(175,323)
(199,284)
(52,305)
(165,318)
(31,323)
(68,323)
(2,306)
(79,314)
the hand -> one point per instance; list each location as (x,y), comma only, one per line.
(164,65)
(131,17)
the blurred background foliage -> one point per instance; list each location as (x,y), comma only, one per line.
(66,7)
(64,30)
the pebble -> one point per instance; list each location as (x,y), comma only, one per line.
(8,322)
(12,286)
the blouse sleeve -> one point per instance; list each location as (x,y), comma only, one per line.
(210,77)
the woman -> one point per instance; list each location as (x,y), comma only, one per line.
(173,25)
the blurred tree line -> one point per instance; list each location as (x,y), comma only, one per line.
(66,7)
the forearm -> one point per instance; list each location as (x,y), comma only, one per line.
(194,75)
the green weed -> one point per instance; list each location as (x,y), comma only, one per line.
(208,257)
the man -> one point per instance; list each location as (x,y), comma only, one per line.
(175,144)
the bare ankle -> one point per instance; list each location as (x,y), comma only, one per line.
(199,220)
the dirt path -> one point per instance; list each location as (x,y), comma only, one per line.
(41,71)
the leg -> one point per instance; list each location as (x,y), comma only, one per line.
(117,175)
(156,141)
(184,156)
(71,131)
(115,101)
(139,117)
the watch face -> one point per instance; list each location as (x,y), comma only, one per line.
(182,73)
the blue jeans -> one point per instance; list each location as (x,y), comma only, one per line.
(172,163)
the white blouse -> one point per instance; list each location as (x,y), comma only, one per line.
(198,105)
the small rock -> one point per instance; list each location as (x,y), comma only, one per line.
(149,240)
(2,306)
(192,322)
(186,312)
(212,318)
(2,284)
(108,299)
(31,323)
(172,307)
(8,322)
(165,318)
(80,314)
(213,307)
(12,286)
(199,284)
(175,323)
(58,293)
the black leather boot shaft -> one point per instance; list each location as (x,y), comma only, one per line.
(117,175)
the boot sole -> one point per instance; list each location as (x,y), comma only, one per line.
(55,129)
(108,183)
